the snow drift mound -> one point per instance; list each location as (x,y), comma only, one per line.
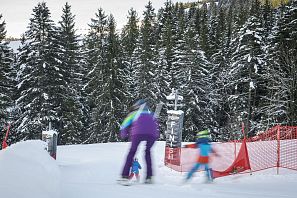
(28,171)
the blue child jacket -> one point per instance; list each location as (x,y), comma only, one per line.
(135,167)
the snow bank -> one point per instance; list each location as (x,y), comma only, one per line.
(28,171)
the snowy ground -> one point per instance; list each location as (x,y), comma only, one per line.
(90,171)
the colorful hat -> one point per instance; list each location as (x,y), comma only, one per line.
(203,134)
(203,137)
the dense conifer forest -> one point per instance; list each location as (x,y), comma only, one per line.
(233,61)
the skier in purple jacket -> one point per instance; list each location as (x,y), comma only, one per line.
(139,125)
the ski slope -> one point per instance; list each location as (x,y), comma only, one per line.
(91,171)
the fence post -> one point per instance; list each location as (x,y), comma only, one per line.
(4,143)
(278,149)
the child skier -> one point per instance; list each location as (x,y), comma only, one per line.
(204,151)
(135,169)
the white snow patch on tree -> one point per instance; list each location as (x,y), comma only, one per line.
(252,86)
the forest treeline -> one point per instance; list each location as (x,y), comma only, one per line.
(233,61)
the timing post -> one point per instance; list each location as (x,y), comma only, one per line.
(174,129)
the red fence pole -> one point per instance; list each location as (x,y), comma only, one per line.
(278,149)
(4,144)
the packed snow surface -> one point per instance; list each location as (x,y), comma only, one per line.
(91,171)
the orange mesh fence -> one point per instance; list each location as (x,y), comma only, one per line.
(277,147)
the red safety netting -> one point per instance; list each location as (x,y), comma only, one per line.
(277,147)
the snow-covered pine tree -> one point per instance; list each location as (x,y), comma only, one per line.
(146,67)
(94,46)
(7,78)
(277,98)
(247,86)
(204,31)
(167,46)
(236,16)
(267,13)
(239,13)
(190,51)
(291,58)
(282,73)
(71,115)
(219,60)
(194,15)
(105,87)
(167,65)
(213,27)
(113,91)
(129,43)
(41,85)
(196,96)
(182,51)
